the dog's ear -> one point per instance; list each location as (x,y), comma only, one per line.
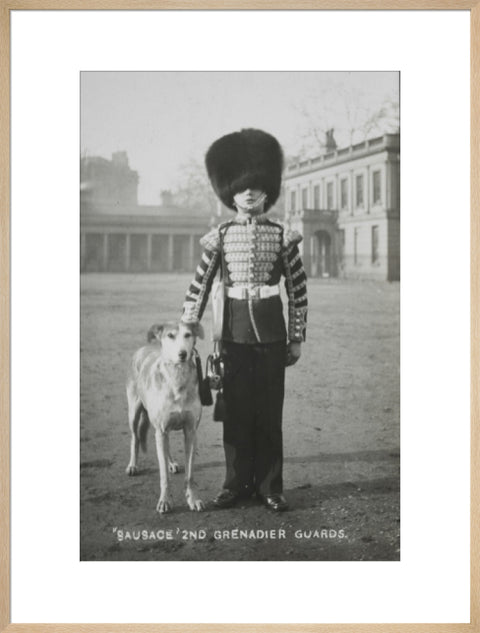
(155,333)
(197,329)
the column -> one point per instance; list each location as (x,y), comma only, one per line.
(170,253)
(313,257)
(191,253)
(149,251)
(105,252)
(352,192)
(323,256)
(334,253)
(388,200)
(367,191)
(83,250)
(127,252)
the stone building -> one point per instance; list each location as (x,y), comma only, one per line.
(346,204)
(108,182)
(119,235)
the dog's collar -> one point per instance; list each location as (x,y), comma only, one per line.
(179,363)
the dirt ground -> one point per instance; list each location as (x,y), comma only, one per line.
(341,435)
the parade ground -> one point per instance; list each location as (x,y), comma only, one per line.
(341,435)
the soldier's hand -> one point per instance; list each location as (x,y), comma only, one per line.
(294,351)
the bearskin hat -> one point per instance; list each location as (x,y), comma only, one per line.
(247,159)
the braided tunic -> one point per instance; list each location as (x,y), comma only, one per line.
(251,253)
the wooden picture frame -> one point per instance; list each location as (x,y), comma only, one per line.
(6,7)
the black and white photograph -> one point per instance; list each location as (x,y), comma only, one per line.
(239,316)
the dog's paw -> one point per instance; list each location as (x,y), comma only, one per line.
(194,503)
(173,467)
(164,505)
(131,470)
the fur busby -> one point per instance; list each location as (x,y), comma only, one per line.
(246,159)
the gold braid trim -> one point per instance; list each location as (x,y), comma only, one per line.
(297,317)
(211,240)
(290,238)
(193,309)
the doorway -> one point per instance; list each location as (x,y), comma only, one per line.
(321,249)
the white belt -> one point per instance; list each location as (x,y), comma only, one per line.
(254,292)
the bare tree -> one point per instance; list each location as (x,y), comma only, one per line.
(194,190)
(384,120)
(355,113)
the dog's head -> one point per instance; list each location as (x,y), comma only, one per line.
(177,339)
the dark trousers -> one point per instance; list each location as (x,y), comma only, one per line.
(252,429)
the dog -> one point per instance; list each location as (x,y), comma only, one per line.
(162,390)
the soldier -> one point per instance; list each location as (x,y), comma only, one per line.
(252,253)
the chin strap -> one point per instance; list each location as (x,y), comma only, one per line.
(260,200)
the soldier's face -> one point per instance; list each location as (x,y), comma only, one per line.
(250,200)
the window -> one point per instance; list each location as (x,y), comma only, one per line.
(316,197)
(304,198)
(344,193)
(374,244)
(377,187)
(359,190)
(329,195)
(293,200)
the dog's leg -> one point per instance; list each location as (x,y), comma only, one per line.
(134,412)
(165,501)
(191,493)
(173,466)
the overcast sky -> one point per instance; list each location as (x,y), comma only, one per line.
(164,119)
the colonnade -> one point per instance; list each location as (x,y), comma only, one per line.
(102,251)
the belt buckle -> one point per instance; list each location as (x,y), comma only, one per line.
(254,292)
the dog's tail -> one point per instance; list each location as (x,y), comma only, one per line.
(142,429)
